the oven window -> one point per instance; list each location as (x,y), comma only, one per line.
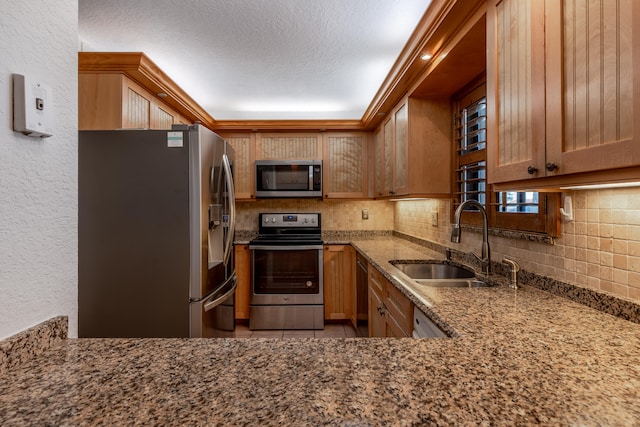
(286,271)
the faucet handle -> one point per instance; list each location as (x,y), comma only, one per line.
(512,263)
(515,267)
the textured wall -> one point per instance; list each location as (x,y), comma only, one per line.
(336,214)
(600,249)
(38,178)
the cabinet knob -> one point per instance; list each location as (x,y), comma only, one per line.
(532,169)
(551,166)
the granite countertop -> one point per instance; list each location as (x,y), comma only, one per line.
(519,358)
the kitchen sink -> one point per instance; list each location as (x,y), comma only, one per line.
(439,275)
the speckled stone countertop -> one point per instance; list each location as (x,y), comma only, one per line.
(521,357)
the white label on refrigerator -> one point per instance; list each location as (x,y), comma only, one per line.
(175,139)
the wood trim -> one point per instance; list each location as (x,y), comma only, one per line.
(287,125)
(138,67)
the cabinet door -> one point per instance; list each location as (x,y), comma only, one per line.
(242,259)
(394,330)
(401,151)
(377,309)
(136,106)
(593,84)
(515,95)
(306,146)
(376,324)
(399,311)
(345,165)
(339,281)
(388,159)
(243,164)
(378,180)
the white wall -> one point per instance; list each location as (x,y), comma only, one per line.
(38,178)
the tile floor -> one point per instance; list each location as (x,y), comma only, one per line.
(331,330)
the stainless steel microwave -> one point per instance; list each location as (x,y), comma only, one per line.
(289,178)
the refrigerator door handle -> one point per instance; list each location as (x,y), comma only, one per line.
(213,301)
(232,208)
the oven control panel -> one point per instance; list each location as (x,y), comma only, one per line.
(288,220)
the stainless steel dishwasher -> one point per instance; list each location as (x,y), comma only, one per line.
(362,295)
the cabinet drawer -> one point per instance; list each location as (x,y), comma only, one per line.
(377,281)
(399,307)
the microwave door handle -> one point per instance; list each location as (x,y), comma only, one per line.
(232,208)
(310,177)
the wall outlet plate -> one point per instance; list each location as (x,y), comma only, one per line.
(365,213)
(434,219)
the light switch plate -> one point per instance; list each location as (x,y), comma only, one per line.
(32,107)
(434,219)
(365,213)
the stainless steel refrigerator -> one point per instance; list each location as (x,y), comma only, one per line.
(156,224)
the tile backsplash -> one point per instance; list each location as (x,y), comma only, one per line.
(336,214)
(599,249)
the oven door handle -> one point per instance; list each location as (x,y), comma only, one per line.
(285,248)
(212,302)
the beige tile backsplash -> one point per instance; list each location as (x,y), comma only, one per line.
(336,214)
(599,249)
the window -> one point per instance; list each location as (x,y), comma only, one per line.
(523,211)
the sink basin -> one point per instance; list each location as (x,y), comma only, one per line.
(438,275)
(453,283)
(434,271)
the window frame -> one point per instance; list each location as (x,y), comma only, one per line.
(545,222)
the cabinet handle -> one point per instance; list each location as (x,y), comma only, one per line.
(532,169)
(551,166)
(392,192)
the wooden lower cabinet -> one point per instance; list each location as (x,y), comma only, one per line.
(242,261)
(339,281)
(376,306)
(390,311)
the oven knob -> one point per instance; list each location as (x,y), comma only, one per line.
(306,220)
(273,220)
(313,220)
(309,283)
(266,220)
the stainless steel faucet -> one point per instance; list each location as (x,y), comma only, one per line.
(513,282)
(485,258)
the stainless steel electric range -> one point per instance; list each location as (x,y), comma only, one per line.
(286,273)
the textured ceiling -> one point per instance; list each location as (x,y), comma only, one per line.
(261,59)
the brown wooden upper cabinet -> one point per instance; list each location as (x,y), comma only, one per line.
(126,90)
(413,150)
(563,90)
(345,165)
(244,147)
(114,101)
(289,146)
